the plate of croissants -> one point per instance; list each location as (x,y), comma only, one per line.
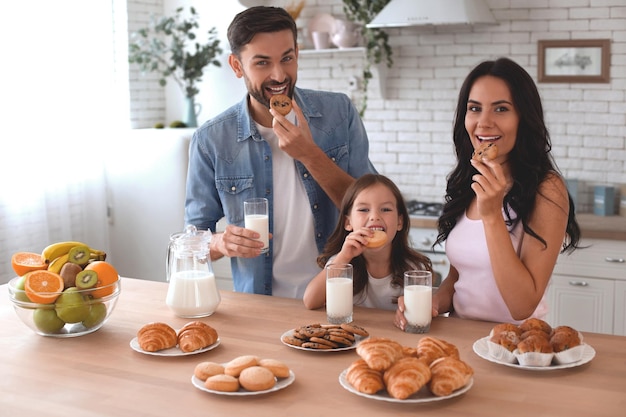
(389,371)
(534,345)
(160,339)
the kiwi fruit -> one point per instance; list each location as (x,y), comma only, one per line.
(86,279)
(79,255)
(68,272)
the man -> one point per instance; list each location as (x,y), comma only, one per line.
(302,162)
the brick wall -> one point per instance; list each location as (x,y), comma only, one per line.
(410,122)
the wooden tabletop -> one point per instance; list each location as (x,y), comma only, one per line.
(100,375)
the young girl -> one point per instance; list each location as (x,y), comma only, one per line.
(373,202)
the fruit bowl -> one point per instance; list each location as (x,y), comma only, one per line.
(73,313)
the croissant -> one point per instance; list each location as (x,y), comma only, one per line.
(448,375)
(363,378)
(405,377)
(156,336)
(379,353)
(196,335)
(430,349)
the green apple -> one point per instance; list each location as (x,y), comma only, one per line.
(47,321)
(71,306)
(20,295)
(96,315)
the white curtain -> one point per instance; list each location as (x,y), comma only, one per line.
(58,100)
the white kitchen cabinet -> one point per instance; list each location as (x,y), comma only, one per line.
(588,288)
(619,321)
(583,303)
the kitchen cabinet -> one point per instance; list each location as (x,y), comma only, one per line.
(588,288)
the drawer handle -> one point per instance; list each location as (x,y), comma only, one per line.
(616,260)
(578,283)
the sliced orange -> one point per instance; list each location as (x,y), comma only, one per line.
(43,287)
(23,262)
(107,275)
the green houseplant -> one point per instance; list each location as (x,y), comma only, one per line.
(376,40)
(170,46)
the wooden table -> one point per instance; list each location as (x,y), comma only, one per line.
(100,375)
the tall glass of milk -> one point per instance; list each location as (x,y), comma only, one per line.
(339,293)
(192,290)
(256,218)
(418,301)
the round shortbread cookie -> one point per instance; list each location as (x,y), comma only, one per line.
(224,383)
(235,366)
(278,368)
(203,370)
(257,378)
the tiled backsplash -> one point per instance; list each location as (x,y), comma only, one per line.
(410,129)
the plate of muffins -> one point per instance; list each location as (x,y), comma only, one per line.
(534,345)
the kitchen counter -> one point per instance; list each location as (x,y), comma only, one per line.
(592,227)
(100,375)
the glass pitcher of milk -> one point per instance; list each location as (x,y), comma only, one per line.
(192,288)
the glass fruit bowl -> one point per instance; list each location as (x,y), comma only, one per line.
(75,312)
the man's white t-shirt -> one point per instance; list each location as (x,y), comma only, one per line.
(295,250)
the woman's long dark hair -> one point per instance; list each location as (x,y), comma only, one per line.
(403,257)
(530,159)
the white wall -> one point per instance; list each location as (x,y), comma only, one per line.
(410,129)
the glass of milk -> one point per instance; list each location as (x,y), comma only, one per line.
(256,218)
(339,293)
(418,301)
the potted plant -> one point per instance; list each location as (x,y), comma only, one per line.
(375,39)
(170,46)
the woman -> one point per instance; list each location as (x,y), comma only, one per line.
(504,220)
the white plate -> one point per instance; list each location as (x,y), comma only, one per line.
(422,396)
(482,349)
(175,351)
(322,22)
(280,384)
(357,341)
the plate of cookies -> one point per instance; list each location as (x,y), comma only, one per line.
(160,339)
(534,345)
(325,337)
(243,376)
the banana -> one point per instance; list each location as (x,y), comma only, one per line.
(55,250)
(57,263)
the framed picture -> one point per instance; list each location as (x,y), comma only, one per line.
(574,61)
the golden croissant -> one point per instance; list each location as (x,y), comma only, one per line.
(156,336)
(379,353)
(405,377)
(363,378)
(196,335)
(430,348)
(448,375)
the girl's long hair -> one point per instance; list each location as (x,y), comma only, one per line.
(403,257)
(530,159)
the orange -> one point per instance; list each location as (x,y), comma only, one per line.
(23,262)
(107,275)
(43,287)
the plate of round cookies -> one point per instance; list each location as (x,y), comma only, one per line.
(242,376)
(325,337)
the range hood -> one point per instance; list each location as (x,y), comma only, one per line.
(400,13)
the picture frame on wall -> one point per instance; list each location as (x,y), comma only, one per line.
(574,61)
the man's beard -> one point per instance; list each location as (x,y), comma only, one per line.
(259,94)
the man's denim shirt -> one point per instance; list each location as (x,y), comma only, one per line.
(230,162)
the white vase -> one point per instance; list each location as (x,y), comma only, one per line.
(346,34)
